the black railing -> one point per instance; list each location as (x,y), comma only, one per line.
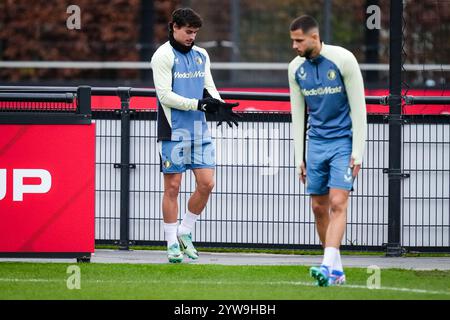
(33,106)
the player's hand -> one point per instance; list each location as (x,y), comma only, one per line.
(355,167)
(226,114)
(303,173)
(209,105)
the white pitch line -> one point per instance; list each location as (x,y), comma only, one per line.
(294,283)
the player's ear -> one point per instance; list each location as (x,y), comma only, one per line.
(315,35)
(175,26)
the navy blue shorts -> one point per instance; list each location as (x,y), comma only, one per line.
(328,165)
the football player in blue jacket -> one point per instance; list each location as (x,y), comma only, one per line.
(185,92)
(327,81)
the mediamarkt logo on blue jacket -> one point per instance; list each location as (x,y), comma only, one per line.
(189,75)
(322,91)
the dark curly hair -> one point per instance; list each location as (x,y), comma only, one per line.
(185,17)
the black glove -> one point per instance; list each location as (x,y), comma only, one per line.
(209,105)
(224,109)
(226,114)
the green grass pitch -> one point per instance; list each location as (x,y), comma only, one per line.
(19,280)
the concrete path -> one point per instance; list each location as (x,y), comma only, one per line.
(151,256)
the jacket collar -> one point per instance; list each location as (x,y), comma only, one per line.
(320,57)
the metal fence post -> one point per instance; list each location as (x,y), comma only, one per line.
(393,247)
(125,166)
(84,101)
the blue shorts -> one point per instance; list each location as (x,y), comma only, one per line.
(327,165)
(179,156)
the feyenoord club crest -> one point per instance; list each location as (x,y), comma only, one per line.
(167,164)
(331,74)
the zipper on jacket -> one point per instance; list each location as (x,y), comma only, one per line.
(317,73)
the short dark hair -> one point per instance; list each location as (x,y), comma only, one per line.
(305,23)
(186,17)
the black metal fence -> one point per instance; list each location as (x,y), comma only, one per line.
(258,201)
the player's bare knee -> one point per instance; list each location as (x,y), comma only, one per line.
(320,207)
(171,193)
(172,189)
(205,187)
(320,210)
(338,207)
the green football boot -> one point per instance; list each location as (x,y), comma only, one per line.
(174,253)
(187,246)
(321,274)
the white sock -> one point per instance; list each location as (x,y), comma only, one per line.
(170,231)
(337,265)
(329,257)
(187,225)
